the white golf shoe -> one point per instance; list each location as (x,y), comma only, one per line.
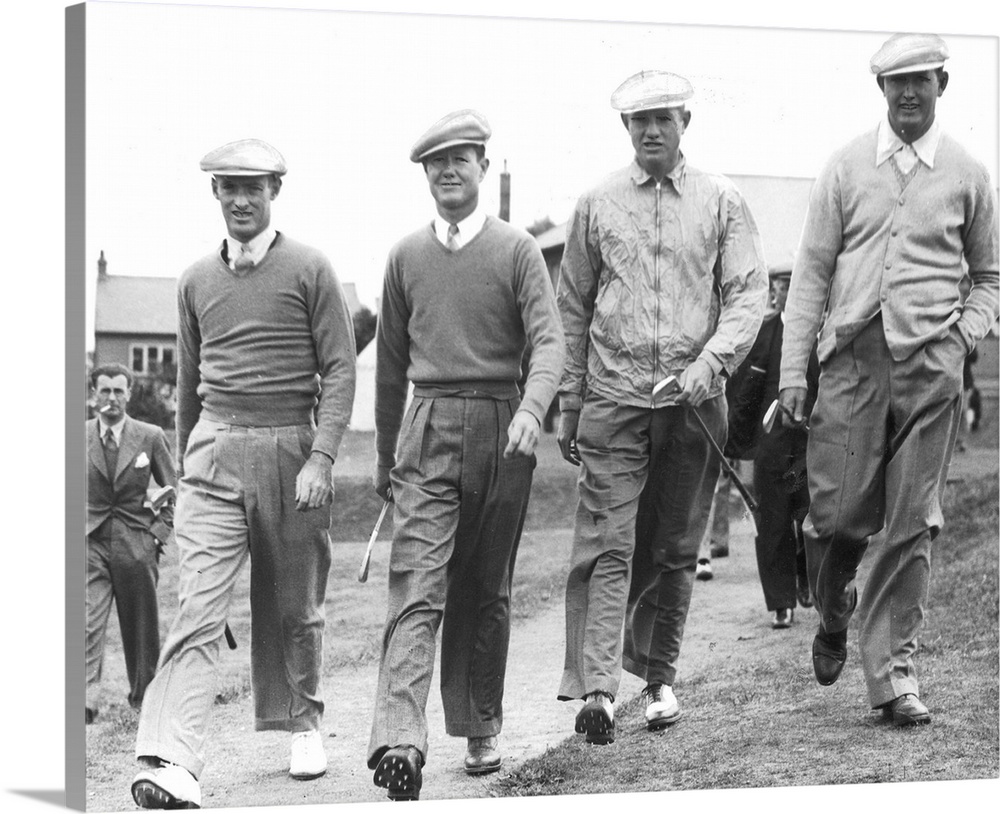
(662,708)
(308,760)
(169,786)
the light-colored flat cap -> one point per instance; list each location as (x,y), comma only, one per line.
(651,90)
(909,53)
(458,127)
(249,156)
(780,271)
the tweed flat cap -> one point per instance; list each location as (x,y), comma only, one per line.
(458,127)
(780,271)
(909,53)
(249,156)
(651,90)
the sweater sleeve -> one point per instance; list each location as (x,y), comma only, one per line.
(392,359)
(333,338)
(188,366)
(578,277)
(542,327)
(810,284)
(981,253)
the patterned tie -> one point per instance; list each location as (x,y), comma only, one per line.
(243,260)
(452,243)
(111,453)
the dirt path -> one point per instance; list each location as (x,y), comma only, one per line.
(250,769)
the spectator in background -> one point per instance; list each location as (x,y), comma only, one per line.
(125,534)
(779,464)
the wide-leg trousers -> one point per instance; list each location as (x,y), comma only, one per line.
(882,435)
(459,511)
(122,566)
(780,562)
(237,499)
(646,486)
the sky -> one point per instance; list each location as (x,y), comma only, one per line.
(343,95)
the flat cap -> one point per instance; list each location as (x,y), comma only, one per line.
(249,156)
(651,90)
(909,53)
(458,127)
(780,271)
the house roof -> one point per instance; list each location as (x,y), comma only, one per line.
(550,238)
(135,305)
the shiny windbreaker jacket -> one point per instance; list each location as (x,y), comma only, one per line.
(653,277)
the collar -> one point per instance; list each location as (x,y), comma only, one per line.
(116,429)
(925,147)
(468,227)
(256,247)
(676,175)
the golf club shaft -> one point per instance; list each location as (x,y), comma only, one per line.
(728,467)
(363,572)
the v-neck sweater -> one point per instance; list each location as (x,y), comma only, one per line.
(460,320)
(266,346)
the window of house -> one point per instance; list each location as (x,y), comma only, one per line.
(148,359)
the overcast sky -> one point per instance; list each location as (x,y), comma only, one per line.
(343,95)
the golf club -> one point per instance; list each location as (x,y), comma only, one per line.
(363,572)
(671,385)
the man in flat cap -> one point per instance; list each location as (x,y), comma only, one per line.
(778,452)
(880,275)
(461,297)
(663,275)
(265,384)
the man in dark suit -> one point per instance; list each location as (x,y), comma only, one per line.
(124,532)
(779,456)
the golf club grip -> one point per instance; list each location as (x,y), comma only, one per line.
(740,487)
(363,572)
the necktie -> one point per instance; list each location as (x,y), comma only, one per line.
(906,157)
(243,260)
(452,243)
(111,453)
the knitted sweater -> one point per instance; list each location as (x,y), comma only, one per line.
(460,320)
(874,241)
(264,347)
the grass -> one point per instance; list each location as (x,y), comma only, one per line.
(760,719)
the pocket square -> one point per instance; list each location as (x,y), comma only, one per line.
(142,460)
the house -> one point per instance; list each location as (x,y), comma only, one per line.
(135,321)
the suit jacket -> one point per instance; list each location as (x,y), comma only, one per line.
(142,453)
(751,391)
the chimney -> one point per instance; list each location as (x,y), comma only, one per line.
(505,193)
(102,265)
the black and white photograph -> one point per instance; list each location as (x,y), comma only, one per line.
(526,405)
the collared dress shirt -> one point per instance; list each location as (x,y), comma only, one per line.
(255,248)
(468,228)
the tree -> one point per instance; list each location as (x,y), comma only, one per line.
(364,327)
